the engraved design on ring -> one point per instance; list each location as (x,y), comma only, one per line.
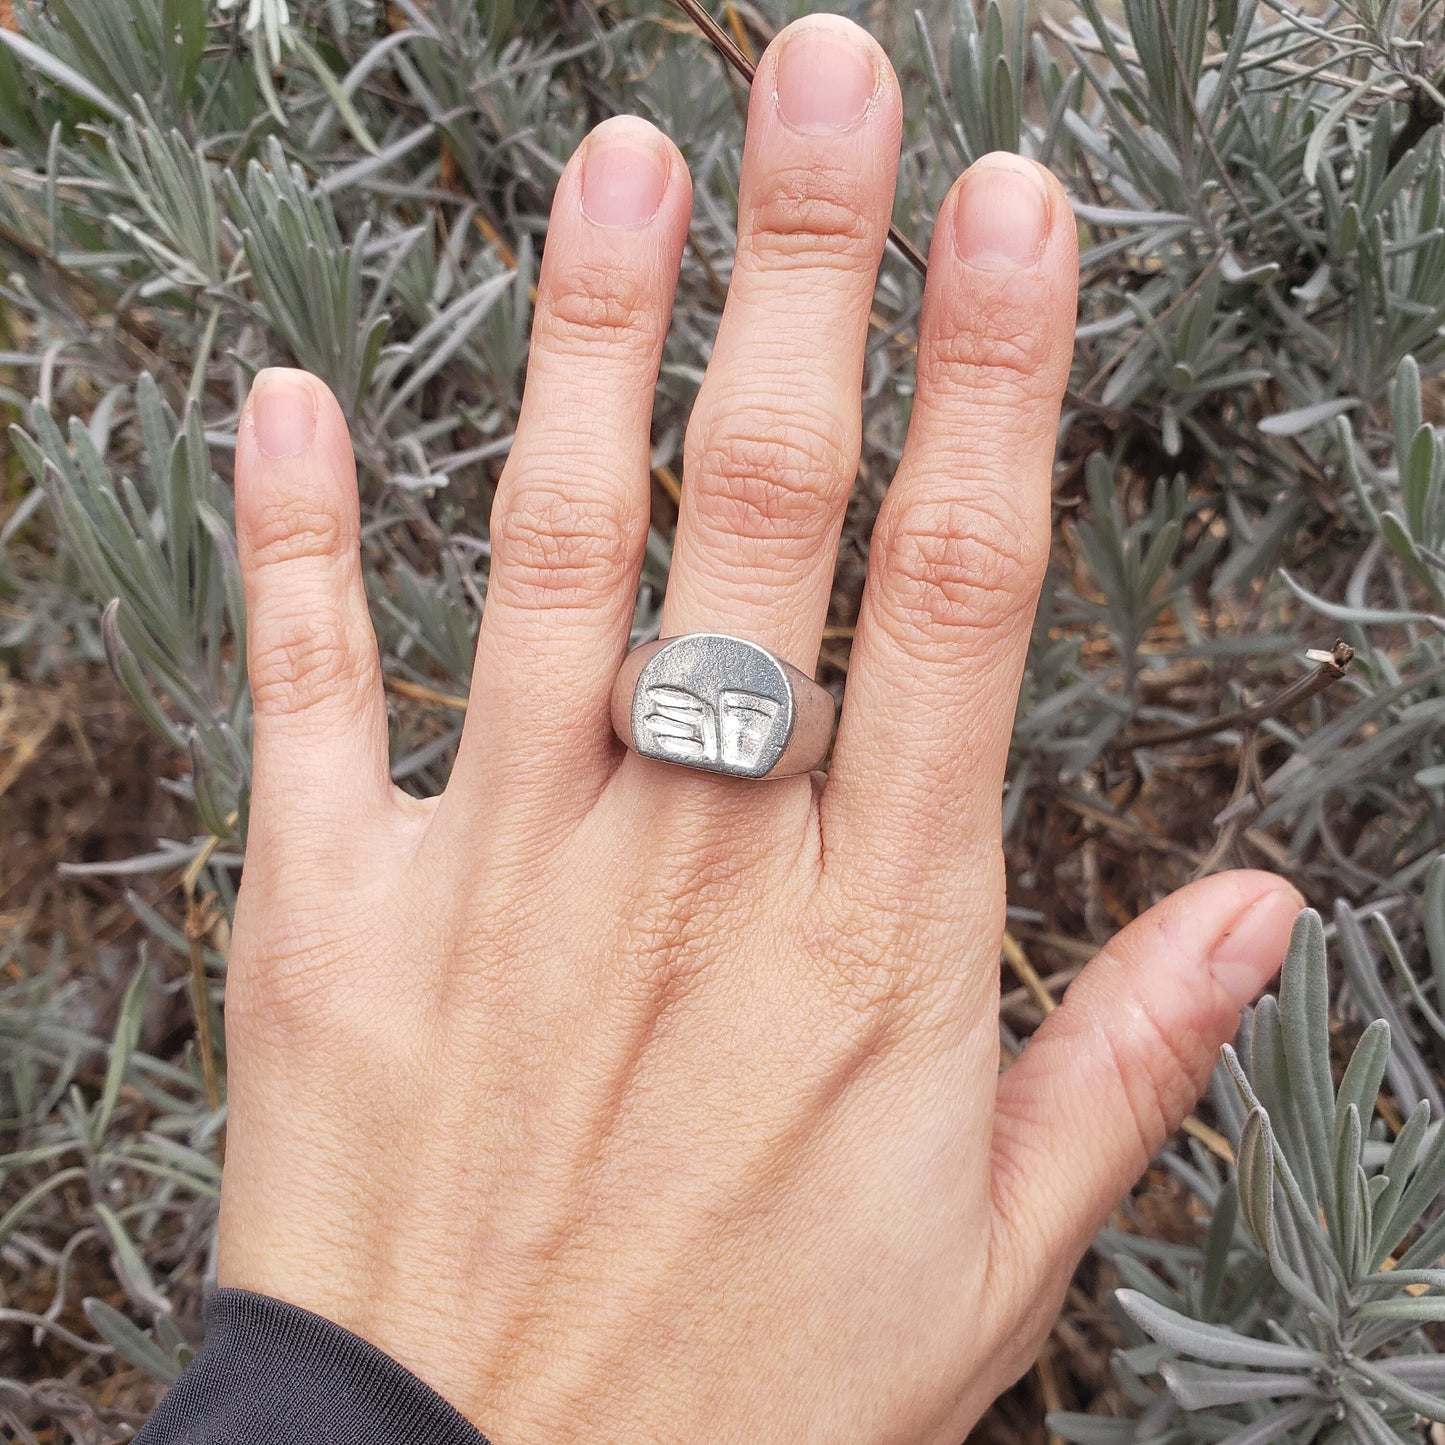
(721,704)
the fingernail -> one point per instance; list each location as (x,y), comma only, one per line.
(1001,216)
(283,412)
(624,174)
(1247,956)
(825,79)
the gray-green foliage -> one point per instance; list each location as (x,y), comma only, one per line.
(150,1191)
(163,551)
(1264,263)
(1302,1314)
(1248,461)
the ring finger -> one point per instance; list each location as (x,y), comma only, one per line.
(772,447)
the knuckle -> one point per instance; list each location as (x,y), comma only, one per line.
(884,970)
(307,960)
(1002,345)
(558,548)
(762,482)
(953,566)
(295,530)
(811,213)
(300,658)
(594,306)
(672,908)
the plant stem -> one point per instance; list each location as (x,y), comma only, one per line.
(1324,676)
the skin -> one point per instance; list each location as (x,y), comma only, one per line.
(621,1101)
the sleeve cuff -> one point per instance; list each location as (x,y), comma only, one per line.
(270,1373)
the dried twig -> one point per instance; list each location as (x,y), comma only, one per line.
(666,478)
(203,915)
(1332,667)
(1250,58)
(1053,1399)
(1027,974)
(1212,1139)
(419,692)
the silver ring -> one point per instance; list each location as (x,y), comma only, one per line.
(721,704)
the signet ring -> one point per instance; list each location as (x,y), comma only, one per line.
(718,703)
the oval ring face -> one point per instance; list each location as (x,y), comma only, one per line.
(713,702)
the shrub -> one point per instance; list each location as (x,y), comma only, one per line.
(1301,1315)
(1249,469)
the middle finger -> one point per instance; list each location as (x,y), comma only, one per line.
(772,447)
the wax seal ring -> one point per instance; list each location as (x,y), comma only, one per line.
(705,700)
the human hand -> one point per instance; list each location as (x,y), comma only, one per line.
(622,1101)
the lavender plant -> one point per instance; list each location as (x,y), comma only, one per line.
(1251,467)
(1302,1316)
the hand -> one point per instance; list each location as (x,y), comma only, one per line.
(625,1102)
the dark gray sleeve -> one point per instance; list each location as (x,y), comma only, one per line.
(272,1374)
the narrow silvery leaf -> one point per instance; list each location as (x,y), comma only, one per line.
(1364,1073)
(133,1346)
(1269,1083)
(1138,1277)
(1426,1371)
(1406,974)
(43,61)
(1298,1248)
(28,453)
(1348,1247)
(1237,274)
(1301,419)
(1364,615)
(1324,128)
(1400,1278)
(1399,1168)
(170,1339)
(1404,1392)
(1314,289)
(1423,1190)
(1434,920)
(1419,468)
(128,672)
(1405,399)
(13,1217)
(1214,1343)
(1371,1427)
(1305,1027)
(130,1267)
(1276,1427)
(1091,1429)
(1218,1248)
(127,1034)
(1413,1308)
(1254,1162)
(1398,538)
(1205,1387)
(361,170)
(157,426)
(337,95)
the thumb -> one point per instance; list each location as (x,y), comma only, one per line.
(1112,1072)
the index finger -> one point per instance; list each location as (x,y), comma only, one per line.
(961,544)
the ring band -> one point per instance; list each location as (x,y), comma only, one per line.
(718,703)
